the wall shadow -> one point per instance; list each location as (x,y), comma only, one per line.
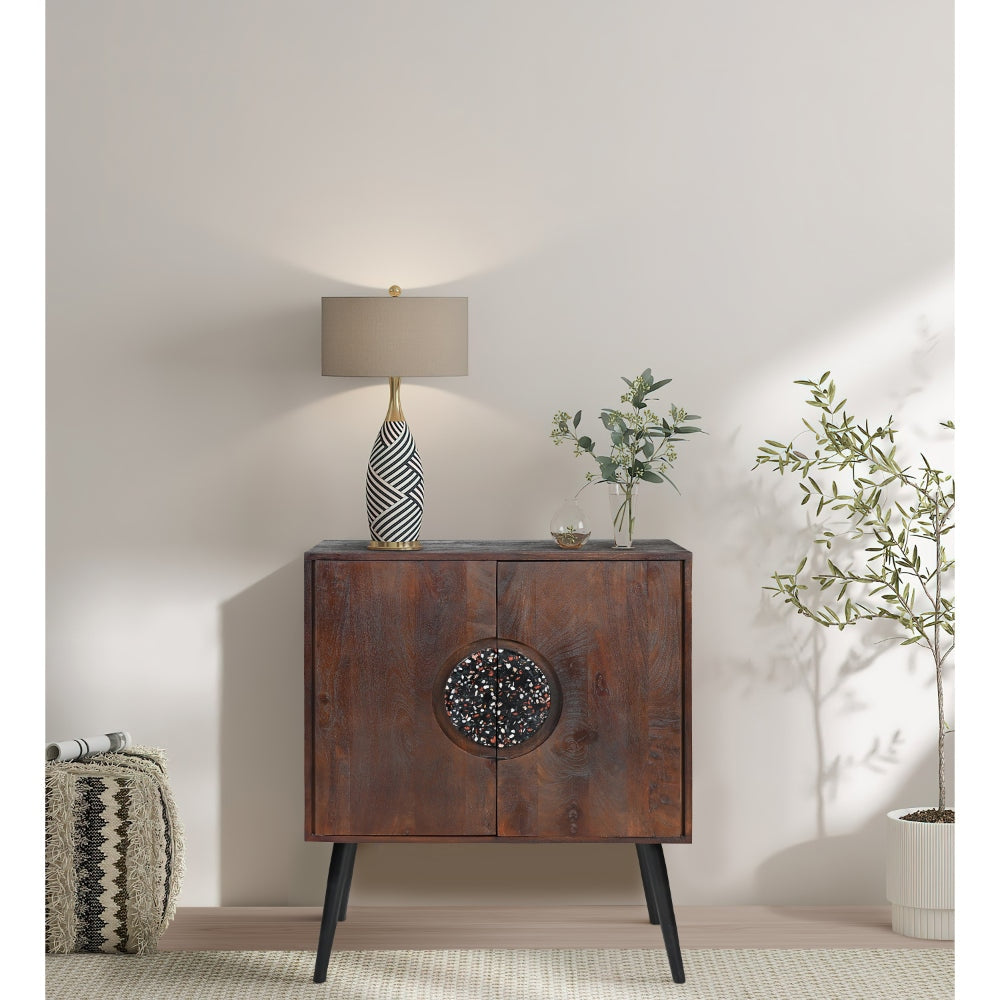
(788,651)
(797,656)
(857,858)
(261,734)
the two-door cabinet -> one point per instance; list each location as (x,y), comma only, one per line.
(498,691)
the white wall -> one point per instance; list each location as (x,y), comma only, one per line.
(734,194)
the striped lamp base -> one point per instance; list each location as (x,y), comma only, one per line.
(395,487)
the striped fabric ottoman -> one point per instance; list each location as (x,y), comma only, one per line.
(114,854)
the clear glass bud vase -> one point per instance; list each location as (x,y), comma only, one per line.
(569,526)
(621,498)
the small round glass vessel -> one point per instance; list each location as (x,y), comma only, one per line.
(569,526)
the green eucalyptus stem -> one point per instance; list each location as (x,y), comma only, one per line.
(626,510)
(642,444)
(626,505)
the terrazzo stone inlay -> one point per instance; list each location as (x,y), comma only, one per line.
(497,697)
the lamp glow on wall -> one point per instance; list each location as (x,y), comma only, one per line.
(395,336)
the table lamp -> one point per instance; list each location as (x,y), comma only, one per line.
(395,336)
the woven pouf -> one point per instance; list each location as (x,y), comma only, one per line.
(114,853)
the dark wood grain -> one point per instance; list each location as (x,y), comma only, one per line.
(688,706)
(381,764)
(310,698)
(614,625)
(491,839)
(520,549)
(613,767)
(667,772)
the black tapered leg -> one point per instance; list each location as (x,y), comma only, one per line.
(347,884)
(646,888)
(341,862)
(656,870)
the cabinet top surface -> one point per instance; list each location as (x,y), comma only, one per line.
(529,549)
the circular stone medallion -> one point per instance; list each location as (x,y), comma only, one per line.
(499,698)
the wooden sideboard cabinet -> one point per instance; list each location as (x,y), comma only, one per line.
(498,691)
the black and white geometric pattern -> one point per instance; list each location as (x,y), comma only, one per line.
(114,853)
(395,485)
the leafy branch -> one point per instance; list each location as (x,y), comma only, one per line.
(642,444)
(899,514)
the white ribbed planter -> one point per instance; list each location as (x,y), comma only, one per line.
(920,876)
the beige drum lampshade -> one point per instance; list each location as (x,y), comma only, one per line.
(407,335)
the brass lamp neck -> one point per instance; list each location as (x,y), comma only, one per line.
(395,411)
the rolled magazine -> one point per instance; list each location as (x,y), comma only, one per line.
(76,749)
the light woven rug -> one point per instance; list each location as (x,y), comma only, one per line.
(508,974)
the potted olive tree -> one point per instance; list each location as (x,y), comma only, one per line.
(887,531)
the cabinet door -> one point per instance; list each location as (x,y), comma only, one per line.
(613,766)
(382,765)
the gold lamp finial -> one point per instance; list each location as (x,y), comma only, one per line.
(394,291)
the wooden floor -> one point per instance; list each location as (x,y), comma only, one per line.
(252,928)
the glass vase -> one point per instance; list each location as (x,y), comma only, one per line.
(569,526)
(621,498)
